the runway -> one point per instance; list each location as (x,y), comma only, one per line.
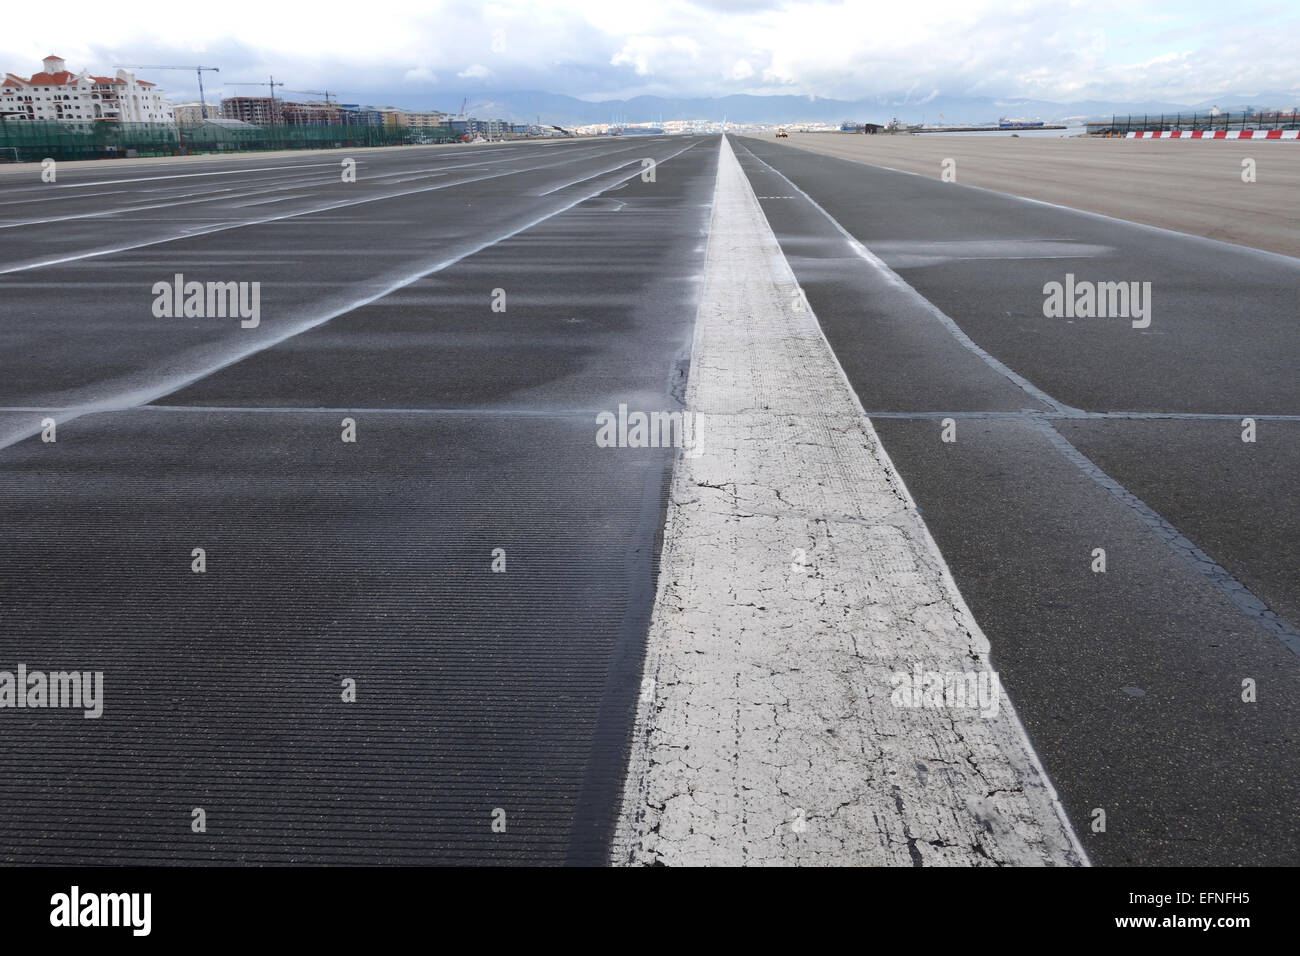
(476,691)
(1238,191)
(1074,435)
(364,587)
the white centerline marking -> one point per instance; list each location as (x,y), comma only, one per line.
(797,584)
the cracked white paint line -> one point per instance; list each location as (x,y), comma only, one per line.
(766,731)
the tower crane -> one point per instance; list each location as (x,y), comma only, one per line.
(198,70)
(325,93)
(271,83)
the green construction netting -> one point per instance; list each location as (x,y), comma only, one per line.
(27,141)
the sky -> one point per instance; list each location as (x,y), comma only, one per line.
(394,50)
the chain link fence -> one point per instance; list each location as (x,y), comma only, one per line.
(1167,122)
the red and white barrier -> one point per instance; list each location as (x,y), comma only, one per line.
(1218,134)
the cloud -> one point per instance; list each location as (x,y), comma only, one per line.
(419,74)
(649,55)
(741,70)
(1049,49)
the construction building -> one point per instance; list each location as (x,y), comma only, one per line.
(310,114)
(255,110)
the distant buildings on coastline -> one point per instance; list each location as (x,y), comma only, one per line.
(55,94)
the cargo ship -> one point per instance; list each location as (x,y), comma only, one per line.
(1019,124)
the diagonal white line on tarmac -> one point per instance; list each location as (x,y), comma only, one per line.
(259,222)
(171,383)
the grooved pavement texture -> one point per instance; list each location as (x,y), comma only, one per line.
(1191,187)
(796,579)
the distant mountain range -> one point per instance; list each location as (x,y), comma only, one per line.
(527,106)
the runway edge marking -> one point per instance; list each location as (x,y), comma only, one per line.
(768,730)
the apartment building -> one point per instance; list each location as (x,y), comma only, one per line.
(58,95)
(254,110)
(353,114)
(310,114)
(472,126)
(425,119)
(191,114)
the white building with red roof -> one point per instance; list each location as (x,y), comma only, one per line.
(58,95)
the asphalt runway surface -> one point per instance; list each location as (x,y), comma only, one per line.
(1074,435)
(492,708)
(1194,186)
(485,695)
